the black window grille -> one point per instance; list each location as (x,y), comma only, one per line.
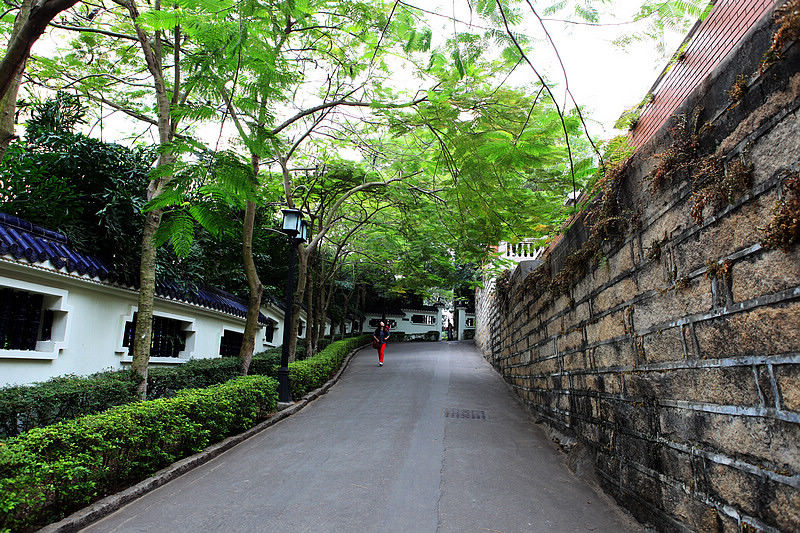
(231,343)
(167,340)
(23,321)
(300,326)
(269,331)
(423,319)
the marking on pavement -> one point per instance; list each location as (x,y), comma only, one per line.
(470,414)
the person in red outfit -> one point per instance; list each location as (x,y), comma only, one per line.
(381,335)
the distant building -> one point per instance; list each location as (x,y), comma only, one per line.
(413,319)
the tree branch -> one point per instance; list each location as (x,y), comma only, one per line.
(20,48)
(107,33)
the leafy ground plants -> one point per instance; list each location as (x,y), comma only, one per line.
(784,230)
(48,472)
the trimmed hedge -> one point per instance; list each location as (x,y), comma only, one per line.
(25,407)
(49,472)
(311,373)
(400,336)
(164,382)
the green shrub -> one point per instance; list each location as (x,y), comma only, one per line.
(24,407)
(63,398)
(397,336)
(164,382)
(266,363)
(49,472)
(311,373)
(432,335)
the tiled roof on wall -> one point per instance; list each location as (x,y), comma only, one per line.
(204,296)
(22,240)
(706,46)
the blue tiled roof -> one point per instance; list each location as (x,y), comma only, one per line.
(22,240)
(207,297)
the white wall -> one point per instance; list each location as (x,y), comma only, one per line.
(275,313)
(404,323)
(463,316)
(88,334)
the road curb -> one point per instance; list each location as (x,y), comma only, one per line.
(109,504)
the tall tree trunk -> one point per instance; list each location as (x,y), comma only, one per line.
(302,265)
(362,305)
(253,281)
(256,289)
(147,289)
(347,299)
(8,103)
(167,126)
(323,300)
(319,312)
(309,295)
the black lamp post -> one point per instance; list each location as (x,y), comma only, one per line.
(295,228)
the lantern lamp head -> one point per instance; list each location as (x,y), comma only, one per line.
(291,221)
(303,230)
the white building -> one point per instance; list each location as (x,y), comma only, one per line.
(415,321)
(59,314)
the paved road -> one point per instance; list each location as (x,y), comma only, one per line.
(388,449)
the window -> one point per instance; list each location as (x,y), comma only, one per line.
(423,319)
(269,331)
(33,320)
(469,323)
(230,343)
(168,338)
(300,327)
(23,321)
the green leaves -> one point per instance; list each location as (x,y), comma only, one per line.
(201,193)
(49,472)
(419,40)
(178,229)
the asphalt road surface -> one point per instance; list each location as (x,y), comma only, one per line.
(433,441)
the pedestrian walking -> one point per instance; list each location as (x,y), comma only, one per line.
(380,337)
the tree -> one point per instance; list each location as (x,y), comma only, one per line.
(135,83)
(334,38)
(479,160)
(30,23)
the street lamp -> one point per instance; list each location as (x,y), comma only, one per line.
(296,229)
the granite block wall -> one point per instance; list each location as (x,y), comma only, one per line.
(673,357)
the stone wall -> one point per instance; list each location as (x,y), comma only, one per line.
(672,355)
